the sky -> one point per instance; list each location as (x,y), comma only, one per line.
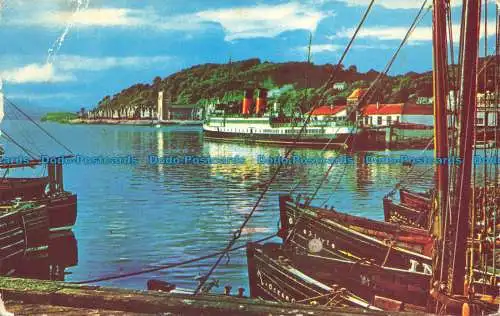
(67,54)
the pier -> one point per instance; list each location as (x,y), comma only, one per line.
(29,296)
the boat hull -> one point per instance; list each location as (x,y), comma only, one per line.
(374,284)
(12,241)
(62,211)
(24,188)
(50,263)
(353,238)
(271,277)
(333,141)
(399,213)
(36,224)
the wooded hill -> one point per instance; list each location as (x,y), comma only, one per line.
(292,84)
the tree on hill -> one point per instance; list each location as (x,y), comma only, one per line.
(208,82)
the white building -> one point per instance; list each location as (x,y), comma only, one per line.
(330,113)
(410,114)
(340,86)
(488,112)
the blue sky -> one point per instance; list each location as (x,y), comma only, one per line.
(64,54)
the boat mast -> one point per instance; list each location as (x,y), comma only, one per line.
(440,87)
(468,88)
(309,48)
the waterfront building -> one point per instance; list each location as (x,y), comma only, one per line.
(330,113)
(488,111)
(340,86)
(383,115)
(354,98)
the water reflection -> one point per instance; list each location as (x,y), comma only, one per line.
(136,217)
(51,263)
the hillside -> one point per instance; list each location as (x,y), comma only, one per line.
(59,117)
(226,82)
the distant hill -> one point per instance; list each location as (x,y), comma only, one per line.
(225,82)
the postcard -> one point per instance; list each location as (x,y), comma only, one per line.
(236,157)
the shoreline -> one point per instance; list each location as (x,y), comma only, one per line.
(132,122)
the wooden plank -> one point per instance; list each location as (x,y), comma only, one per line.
(94,297)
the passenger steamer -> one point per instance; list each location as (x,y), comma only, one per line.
(254,124)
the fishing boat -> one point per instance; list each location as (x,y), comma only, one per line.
(412,209)
(273,277)
(464,278)
(61,205)
(354,238)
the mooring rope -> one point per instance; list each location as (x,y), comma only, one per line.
(38,125)
(167,266)
(238,232)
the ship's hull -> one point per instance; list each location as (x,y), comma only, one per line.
(61,208)
(337,141)
(12,241)
(62,211)
(49,264)
(403,214)
(24,188)
(35,221)
(386,288)
(272,277)
(347,237)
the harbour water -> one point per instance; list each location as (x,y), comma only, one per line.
(138,216)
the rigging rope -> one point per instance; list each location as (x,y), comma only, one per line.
(237,233)
(27,151)
(26,137)
(497,121)
(38,125)
(373,84)
(167,266)
(358,28)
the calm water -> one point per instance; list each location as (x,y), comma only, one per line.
(135,217)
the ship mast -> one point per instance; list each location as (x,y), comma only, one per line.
(440,88)
(451,222)
(468,88)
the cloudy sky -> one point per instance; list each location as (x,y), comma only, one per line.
(66,54)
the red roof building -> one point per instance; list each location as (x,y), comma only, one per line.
(403,113)
(357,93)
(329,110)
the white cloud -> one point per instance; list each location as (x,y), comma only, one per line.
(245,22)
(61,70)
(263,20)
(400,4)
(45,96)
(74,62)
(321,48)
(421,33)
(95,17)
(394,4)
(35,73)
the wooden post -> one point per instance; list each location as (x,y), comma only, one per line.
(52,177)
(59,177)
